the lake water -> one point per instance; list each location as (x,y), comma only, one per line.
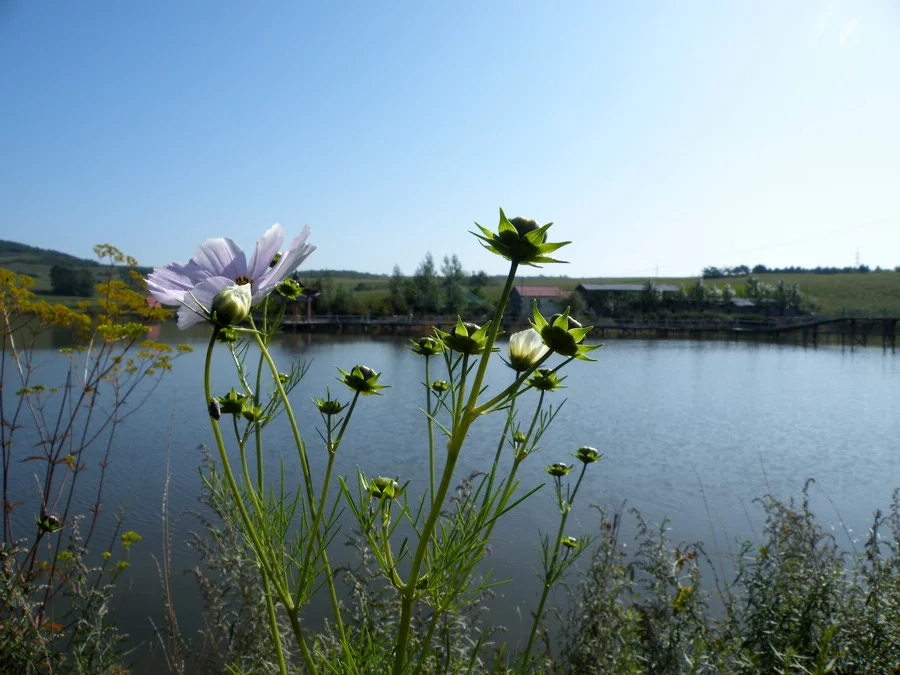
(692,431)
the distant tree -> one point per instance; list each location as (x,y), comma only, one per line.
(478,279)
(740,271)
(698,294)
(66,280)
(335,298)
(712,273)
(728,293)
(427,287)
(577,305)
(760,269)
(453,284)
(650,298)
(401,291)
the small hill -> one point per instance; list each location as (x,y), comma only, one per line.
(37,262)
(13,253)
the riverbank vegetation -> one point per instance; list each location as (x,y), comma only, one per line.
(792,600)
(58,433)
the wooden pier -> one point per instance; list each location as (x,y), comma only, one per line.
(850,329)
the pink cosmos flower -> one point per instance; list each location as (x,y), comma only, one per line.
(220,263)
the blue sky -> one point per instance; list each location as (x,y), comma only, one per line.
(669,135)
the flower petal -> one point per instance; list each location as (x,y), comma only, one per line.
(290,260)
(169,284)
(196,304)
(221,258)
(266,249)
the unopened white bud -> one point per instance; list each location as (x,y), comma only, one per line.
(232,305)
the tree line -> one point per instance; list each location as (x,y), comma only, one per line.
(744,270)
(65,280)
(430,290)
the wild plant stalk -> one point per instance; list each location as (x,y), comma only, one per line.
(108,357)
(438,559)
(553,565)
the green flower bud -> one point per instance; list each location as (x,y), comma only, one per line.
(363,380)
(329,406)
(519,240)
(569,542)
(563,334)
(384,487)
(289,289)
(440,386)
(466,338)
(252,413)
(232,403)
(227,335)
(427,346)
(558,469)
(519,437)
(524,226)
(49,523)
(232,305)
(588,455)
(544,379)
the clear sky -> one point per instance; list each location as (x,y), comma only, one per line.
(676,135)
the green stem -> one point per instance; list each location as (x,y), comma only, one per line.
(298,632)
(307,477)
(547,585)
(461,423)
(461,390)
(492,335)
(550,572)
(304,463)
(429,412)
(273,626)
(485,408)
(232,484)
(259,454)
(509,421)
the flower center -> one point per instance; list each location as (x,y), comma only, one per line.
(243,280)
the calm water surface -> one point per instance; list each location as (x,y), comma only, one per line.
(692,431)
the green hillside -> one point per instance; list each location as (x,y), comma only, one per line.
(37,262)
